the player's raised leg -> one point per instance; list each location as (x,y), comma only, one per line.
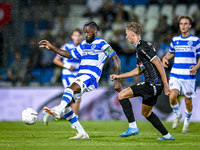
(66,99)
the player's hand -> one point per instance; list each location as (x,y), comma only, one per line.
(45,43)
(118,86)
(165,62)
(71,68)
(114,77)
(167,89)
(193,70)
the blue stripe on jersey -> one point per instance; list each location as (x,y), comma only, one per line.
(92,68)
(182,76)
(67,76)
(93,57)
(184,54)
(74,60)
(182,66)
(77,54)
(89,82)
(181,43)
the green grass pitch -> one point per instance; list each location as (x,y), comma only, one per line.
(104,135)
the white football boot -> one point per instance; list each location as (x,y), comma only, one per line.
(45,118)
(185,128)
(80,136)
(53,112)
(176,121)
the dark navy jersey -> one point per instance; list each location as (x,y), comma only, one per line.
(146,53)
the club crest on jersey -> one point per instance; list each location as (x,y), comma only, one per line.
(190,43)
(78,80)
(93,46)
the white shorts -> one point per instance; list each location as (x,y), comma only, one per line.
(185,87)
(86,83)
(67,81)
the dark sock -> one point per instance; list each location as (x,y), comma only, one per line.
(127,108)
(155,121)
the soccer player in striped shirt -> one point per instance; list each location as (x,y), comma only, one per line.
(70,68)
(184,48)
(93,52)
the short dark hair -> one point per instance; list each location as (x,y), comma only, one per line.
(77,30)
(92,24)
(186,17)
(135,27)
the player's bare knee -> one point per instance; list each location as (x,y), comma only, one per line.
(173,99)
(188,101)
(121,95)
(145,114)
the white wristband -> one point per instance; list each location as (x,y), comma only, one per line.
(67,66)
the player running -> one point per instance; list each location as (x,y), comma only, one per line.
(184,48)
(150,65)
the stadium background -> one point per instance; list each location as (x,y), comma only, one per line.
(23,23)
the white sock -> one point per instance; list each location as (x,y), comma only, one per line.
(133,124)
(187,117)
(176,109)
(79,127)
(62,105)
(72,118)
(66,99)
(167,136)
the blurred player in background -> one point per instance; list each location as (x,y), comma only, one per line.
(70,68)
(184,48)
(150,65)
(93,52)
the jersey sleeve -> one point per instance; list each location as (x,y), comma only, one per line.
(198,47)
(171,47)
(77,52)
(149,52)
(107,49)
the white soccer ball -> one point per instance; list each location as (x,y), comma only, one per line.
(29,116)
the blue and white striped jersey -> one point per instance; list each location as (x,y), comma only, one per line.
(186,50)
(92,57)
(66,73)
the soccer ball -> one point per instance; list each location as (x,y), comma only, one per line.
(29,116)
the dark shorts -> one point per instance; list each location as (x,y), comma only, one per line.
(148,93)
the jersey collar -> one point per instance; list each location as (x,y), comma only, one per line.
(138,42)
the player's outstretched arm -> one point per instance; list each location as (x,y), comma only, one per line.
(166,59)
(135,72)
(47,44)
